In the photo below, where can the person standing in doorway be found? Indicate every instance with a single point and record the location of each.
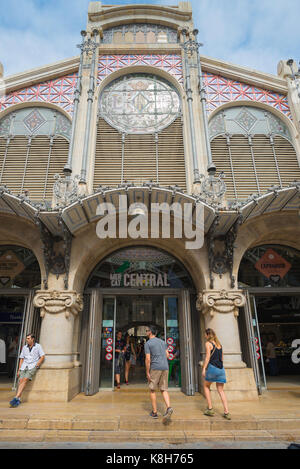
(129, 353)
(120, 347)
(31, 358)
(12, 356)
(271, 355)
(157, 371)
(213, 372)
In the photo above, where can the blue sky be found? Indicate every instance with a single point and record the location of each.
(253, 33)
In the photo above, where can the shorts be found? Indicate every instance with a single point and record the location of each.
(215, 375)
(159, 378)
(29, 374)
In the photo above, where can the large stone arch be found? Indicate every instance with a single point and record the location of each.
(15, 231)
(280, 228)
(89, 251)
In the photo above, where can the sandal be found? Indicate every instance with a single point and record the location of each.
(209, 412)
(227, 416)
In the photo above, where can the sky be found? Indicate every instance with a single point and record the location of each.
(252, 33)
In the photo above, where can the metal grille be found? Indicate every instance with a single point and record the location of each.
(139, 158)
(253, 165)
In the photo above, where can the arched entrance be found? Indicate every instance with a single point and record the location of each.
(270, 325)
(19, 277)
(129, 290)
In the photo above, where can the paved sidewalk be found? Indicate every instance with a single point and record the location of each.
(123, 417)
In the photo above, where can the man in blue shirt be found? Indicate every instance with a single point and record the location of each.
(157, 371)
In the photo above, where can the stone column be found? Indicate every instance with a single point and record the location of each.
(59, 377)
(221, 311)
(58, 310)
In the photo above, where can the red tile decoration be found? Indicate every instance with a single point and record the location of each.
(221, 90)
(59, 91)
(171, 63)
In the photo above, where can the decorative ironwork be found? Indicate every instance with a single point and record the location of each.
(212, 188)
(57, 256)
(139, 103)
(222, 262)
(34, 121)
(65, 190)
(239, 120)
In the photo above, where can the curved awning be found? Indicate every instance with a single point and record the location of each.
(83, 211)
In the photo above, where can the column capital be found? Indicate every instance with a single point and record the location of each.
(220, 301)
(55, 302)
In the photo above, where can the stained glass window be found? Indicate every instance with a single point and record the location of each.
(139, 103)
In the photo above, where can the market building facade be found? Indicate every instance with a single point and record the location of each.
(138, 120)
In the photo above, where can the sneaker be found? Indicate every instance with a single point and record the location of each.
(15, 402)
(167, 415)
(209, 412)
(227, 416)
(153, 415)
(12, 402)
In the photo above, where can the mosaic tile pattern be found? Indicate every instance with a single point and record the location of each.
(221, 90)
(171, 63)
(59, 91)
(34, 120)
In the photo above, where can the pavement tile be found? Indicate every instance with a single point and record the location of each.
(118, 437)
(170, 436)
(49, 424)
(248, 435)
(13, 423)
(278, 424)
(194, 436)
(19, 435)
(73, 435)
(95, 424)
(217, 425)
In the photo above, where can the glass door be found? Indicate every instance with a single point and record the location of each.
(108, 333)
(171, 328)
(255, 343)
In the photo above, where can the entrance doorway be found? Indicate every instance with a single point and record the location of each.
(270, 325)
(276, 338)
(127, 291)
(130, 315)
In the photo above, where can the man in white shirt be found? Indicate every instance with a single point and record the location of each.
(31, 358)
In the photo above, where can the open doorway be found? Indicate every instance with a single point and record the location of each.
(124, 323)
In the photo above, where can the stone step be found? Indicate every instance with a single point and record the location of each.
(168, 437)
(142, 423)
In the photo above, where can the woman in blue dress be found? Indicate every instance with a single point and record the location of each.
(213, 372)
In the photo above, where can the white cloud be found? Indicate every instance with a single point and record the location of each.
(254, 33)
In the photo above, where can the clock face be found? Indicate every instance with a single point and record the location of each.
(139, 104)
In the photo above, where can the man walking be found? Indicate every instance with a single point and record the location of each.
(157, 371)
(31, 358)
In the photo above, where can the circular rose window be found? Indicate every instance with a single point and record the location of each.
(139, 104)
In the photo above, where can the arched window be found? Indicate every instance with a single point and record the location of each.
(254, 149)
(140, 33)
(139, 136)
(34, 143)
(270, 266)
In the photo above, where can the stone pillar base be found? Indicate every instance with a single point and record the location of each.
(240, 385)
(56, 385)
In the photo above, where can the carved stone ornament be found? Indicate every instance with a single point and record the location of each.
(56, 302)
(220, 301)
